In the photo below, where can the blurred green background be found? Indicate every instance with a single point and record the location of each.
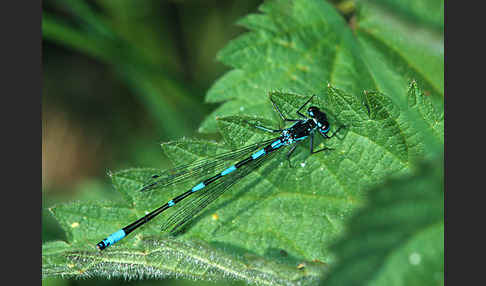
(119, 77)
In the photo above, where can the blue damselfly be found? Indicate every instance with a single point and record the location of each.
(248, 159)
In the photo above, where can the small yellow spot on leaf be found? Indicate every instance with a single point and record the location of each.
(303, 68)
(318, 261)
(300, 266)
(215, 216)
(74, 224)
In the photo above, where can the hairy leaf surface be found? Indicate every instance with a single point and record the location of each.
(276, 226)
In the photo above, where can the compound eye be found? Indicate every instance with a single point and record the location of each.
(312, 110)
(324, 127)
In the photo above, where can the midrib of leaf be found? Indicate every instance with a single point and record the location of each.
(132, 262)
(332, 69)
(404, 59)
(135, 259)
(194, 256)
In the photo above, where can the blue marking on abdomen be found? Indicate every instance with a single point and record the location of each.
(112, 239)
(276, 144)
(258, 154)
(198, 187)
(229, 170)
(171, 203)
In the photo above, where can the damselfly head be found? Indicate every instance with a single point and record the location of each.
(316, 113)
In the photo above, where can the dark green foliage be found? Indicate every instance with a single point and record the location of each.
(399, 238)
(279, 226)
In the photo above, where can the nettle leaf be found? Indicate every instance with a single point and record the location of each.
(296, 46)
(150, 254)
(428, 113)
(398, 238)
(276, 226)
(398, 51)
(155, 258)
(300, 46)
(420, 12)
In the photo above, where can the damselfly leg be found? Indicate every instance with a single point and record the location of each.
(211, 177)
(275, 107)
(298, 111)
(334, 133)
(312, 145)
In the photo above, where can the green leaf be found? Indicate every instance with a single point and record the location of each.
(423, 13)
(424, 108)
(156, 259)
(279, 222)
(398, 52)
(300, 46)
(297, 211)
(157, 88)
(398, 238)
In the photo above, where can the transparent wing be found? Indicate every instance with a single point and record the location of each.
(198, 201)
(201, 168)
